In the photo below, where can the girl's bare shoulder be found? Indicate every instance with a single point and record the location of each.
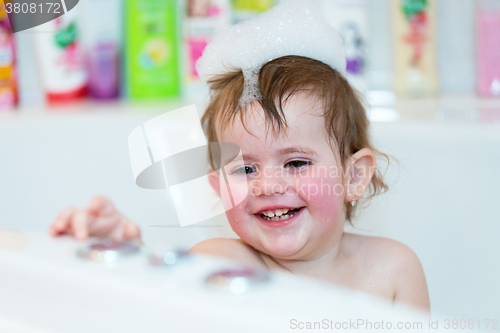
(395, 262)
(229, 248)
(388, 252)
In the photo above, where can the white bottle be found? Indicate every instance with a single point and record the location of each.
(350, 19)
(203, 19)
(30, 88)
(456, 46)
(61, 64)
(380, 57)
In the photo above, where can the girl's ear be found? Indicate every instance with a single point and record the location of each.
(363, 166)
(213, 179)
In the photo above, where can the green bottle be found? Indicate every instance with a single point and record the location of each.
(152, 49)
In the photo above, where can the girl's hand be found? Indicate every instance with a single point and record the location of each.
(100, 219)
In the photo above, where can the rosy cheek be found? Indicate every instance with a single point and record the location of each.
(324, 196)
(237, 216)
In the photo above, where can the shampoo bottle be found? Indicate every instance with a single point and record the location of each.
(380, 69)
(456, 47)
(414, 25)
(60, 58)
(152, 49)
(8, 84)
(204, 18)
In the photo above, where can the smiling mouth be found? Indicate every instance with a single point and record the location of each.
(279, 215)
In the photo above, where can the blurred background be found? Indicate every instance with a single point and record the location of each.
(441, 54)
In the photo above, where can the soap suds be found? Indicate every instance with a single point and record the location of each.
(294, 27)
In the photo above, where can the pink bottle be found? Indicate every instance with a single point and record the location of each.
(488, 37)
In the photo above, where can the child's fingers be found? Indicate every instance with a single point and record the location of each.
(101, 226)
(80, 224)
(131, 231)
(101, 219)
(62, 223)
(101, 206)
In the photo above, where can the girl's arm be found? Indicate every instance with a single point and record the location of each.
(411, 285)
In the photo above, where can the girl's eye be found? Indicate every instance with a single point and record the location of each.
(245, 170)
(296, 164)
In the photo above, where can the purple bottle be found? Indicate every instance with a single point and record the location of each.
(102, 35)
(104, 71)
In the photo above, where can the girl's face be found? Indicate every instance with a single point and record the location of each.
(294, 175)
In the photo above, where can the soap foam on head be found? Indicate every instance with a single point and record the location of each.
(294, 27)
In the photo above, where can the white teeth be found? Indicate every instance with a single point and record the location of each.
(277, 212)
(280, 215)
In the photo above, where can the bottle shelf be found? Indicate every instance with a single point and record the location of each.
(382, 107)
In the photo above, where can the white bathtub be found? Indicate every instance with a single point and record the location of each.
(443, 205)
(46, 288)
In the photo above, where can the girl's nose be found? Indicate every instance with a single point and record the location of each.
(270, 182)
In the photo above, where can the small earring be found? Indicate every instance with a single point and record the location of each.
(353, 203)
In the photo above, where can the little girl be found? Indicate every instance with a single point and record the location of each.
(306, 159)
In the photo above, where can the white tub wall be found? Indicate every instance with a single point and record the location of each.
(444, 205)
